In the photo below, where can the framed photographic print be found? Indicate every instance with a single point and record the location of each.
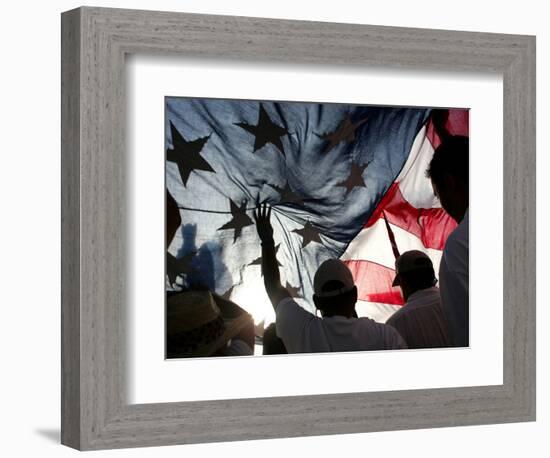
(368, 204)
(251, 205)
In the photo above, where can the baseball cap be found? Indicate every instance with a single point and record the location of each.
(332, 270)
(409, 261)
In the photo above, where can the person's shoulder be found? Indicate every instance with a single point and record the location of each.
(365, 321)
(383, 334)
(456, 246)
(457, 235)
(288, 307)
(370, 323)
(286, 301)
(460, 232)
(398, 316)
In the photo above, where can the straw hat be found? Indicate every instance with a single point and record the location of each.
(199, 323)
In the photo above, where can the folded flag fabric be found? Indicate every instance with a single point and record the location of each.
(329, 171)
(410, 212)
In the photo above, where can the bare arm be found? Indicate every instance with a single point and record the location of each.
(270, 269)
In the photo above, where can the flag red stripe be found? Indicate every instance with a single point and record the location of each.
(436, 225)
(374, 282)
(431, 225)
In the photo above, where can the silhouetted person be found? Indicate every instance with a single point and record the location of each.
(334, 296)
(272, 343)
(199, 324)
(449, 173)
(420, 321)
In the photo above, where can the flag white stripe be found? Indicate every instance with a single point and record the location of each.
(415, 187)
(373, 244)
(376, 311)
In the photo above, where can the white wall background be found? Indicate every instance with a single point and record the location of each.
(30, 245)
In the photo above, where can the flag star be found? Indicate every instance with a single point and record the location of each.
(345, 132)
(176, 267)
(186, 154)
(288, 196)
(258, 261)
(294, 291)
(309, 234)
(239, 221)
(355, 177)
(266, 131)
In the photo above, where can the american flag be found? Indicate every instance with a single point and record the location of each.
(340, 180)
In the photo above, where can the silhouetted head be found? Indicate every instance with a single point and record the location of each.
(335, 292)
(449, 173)
(414, 271)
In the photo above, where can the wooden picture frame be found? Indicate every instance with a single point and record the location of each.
(95, 413)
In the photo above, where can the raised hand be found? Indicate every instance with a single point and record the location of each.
(270, 269)
(262, 215)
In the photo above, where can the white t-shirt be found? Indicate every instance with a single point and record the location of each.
(303, 332)
(453, 283)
